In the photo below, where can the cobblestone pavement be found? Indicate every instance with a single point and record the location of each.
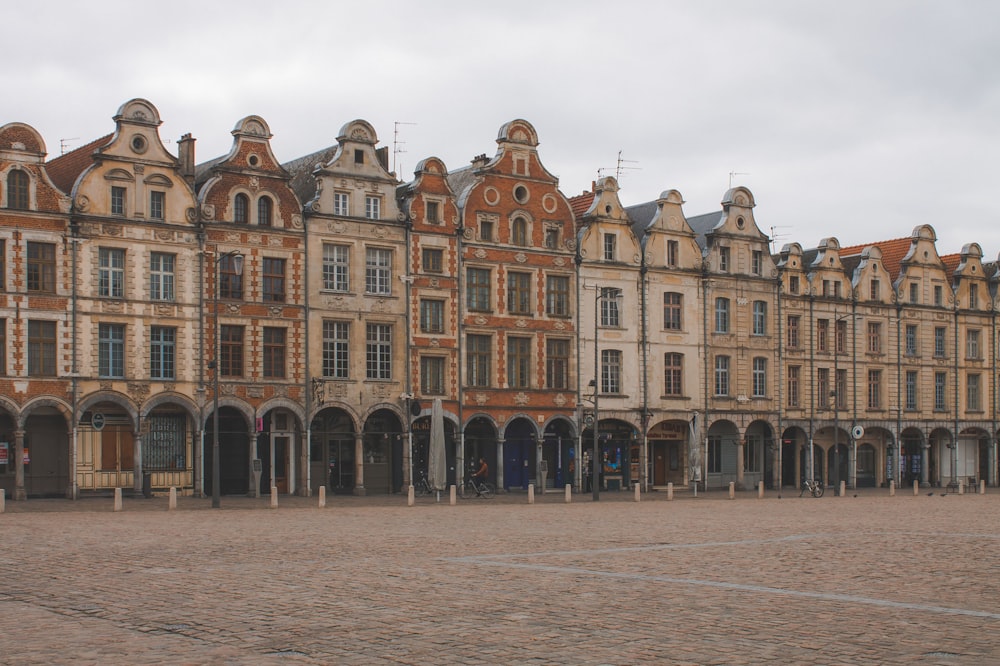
(707, 580)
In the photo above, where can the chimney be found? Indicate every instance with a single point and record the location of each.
(383, 156)
(479, 161)
(185, 153)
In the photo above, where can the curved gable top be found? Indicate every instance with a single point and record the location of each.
(139, 112)
(518, 131)
(360, 131)
(22, 138)
(252, 126)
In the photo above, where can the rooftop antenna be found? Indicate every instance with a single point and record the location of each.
(619, 167)
(396, 143)
(64, 144)
(735, 173)
(776, 236)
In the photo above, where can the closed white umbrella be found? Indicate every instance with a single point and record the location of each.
(437, 462)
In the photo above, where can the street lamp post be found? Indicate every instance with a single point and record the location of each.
(238, 271)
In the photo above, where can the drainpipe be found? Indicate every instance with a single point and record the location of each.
(199, 457)
(705, 371)
(578, 476)
(75, 240)
(899, 378)
(307, 378)
(460, 472)
(991, 480)
(812, 375)
(954, 439)
(781, 383)
(644, 419)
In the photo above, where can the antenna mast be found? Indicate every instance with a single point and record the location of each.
(396, 143)
(735, 173)
(64, 144)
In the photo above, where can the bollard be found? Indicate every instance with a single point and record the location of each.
(916, 487)
(172, 501)
(118, 499)
(732, 490)
(322, 496)
(760, 490)
(531, 493)
(843, 489)
(452, 495)
(409, 496)
(3, 500)
(892, 488)
(670, 491)
(961, 487)
(274, 497)
(637, 497)
(982, 486)
(569, 493)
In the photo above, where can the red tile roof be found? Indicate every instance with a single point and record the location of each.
(581, 203)
(951, 262)
(893, 252)
(64, 169)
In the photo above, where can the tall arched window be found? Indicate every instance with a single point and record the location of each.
(241, 208)
(520, 231)
(17, 190)
(264, 207)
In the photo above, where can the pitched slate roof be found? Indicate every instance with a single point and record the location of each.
(65, 169)
(303, 183)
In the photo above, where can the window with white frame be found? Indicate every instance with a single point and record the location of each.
(973, 392)
(373, 207)
(911, 389)
(673, 372)
(341, 204)
(336, 267)
(874, 389)
(157, 205)
(378, 270)
(759, 383)
(759, 318)
(611, 371)
(117, 200)
(940, 391)
(672, 310)
(910, 337)
(794, 385)
(111, 351)
(162, 352)
(431, 315)
(973, 350)
(111, 272)
(336, 349)
(721, 376)
(610, 247)
(378, 351)
(161, 276)
(939, 342)
(610, 307)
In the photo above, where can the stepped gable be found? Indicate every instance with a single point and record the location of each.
(65, 169)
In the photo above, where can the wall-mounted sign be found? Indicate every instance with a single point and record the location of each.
(97, 420)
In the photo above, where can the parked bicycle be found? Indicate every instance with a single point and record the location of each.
(814, 488)
(421, 486)
(482, 489)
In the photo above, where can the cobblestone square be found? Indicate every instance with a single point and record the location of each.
(706, 580)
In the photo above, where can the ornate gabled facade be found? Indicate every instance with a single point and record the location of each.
(519, 333)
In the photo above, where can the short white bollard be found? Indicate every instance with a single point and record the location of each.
(410, 496)
(916, 487)
(961, 487)
(760, 490)
(670, 491)
(274, 497)
(637, 491)
(531, 493)
(322, 496)
(732, 490)
(3, 500)
(118, 499)
(172, 499)
(843, 489)
(452, 492)
(982, 486)
(569, 493)
(892, 488)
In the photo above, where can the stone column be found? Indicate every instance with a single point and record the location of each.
(740, 461)
(137, 461)
(359, 465)
(925, 463)
(20, 493)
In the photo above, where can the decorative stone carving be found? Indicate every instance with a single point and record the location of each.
(435, 342)
(480, 253)
(191, 215)
(82, 203)
(521, 399)
(560, 399)
(559, 261)
(560, 326)
(254, 239)
(255, 391)
(549, 203)
(207, 212)
(481, 320)
(275, 310)
(520, 257)
(112, 306)
(480, 399)
(164, 235)
(467, 234)
(521, 323)
(112, 230)
(380, 232)
(435, 283)
(138, 391)
(296, 221)
(254, 183)
(139, 168)
(570, 243)
(338, 227)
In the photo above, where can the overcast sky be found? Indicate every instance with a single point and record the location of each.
(853, 119)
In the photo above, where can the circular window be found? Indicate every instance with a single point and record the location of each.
(253, 160)
(139, 143)
(740, 223)
(491, 196)
(521, 194)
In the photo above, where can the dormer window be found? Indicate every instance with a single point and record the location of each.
(359, 156)
(157, 205)
(552, 238)
(724, 259)
(17, 190)
(241, 208)
(519, 232)
(874, 290)
(973, 296)
(117, 200)
(610, 247)
(264, 211)
(433, 212)
(373, 208)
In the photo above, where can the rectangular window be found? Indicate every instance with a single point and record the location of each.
(874, 337)
(373, 207)
(477, 290)
(552, 238)
(823, 388)
(973, 401)
(336, 349)
(611, 371)
(753, 453)
(478, 358)
(557, 364)
(41, 348)
(3, 264)
(432, 259)
(722, 315)
(759, 377)
(840, 390)
(874, 389)
(973, 351)
(724, 261)
(117, 200)
(433, 215)
(610, 307)
(161, 276)
(827, 288)
(432, 375)
(759, 318)
(973, 296)
(610, 252)
(557, 295)
(794, 385)
(673, 250)
(378, 271)
(162, 352)
(939, 342)
(273, 286)
(519, 293)
(822, 335)
(794, 331)
(341, 204)
(793, 284)
(714, 455)
(840, 335)
(940, 391)
(756, 262)
(938, 295)
(274, 352)
(431, 316)
(910, 337)
(157, 205)
(672, 308)
(518, 362)
(111, 351)
(378, 351)
(914, 293)
(111, 273)
(230, 282)
(3, 347)
(336, 267)
(874, 291)
(721, 375)
(673, 373)
(911, 389)
(231, 351)
(485, 230)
